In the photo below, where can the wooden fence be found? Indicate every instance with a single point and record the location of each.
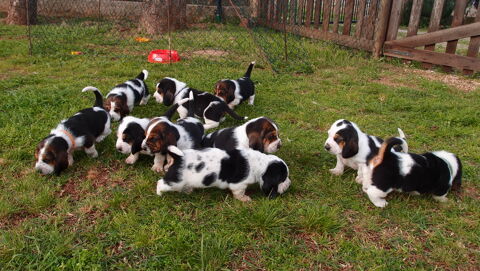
(373, 25)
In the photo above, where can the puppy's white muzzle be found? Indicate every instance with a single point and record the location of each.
(274, 146)
(332, 147)
(123, 147)
(158, 97)
(43, 168)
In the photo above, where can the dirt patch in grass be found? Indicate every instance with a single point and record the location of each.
(469, 191)
(399, 78)
(102, 176)
(71, 188)
(250, 260)
(15, 219)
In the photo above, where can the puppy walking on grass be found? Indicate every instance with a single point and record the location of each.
(234, 170)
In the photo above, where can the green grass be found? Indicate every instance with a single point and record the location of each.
(104, 214)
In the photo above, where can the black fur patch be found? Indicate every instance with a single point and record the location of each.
(209, 179)
(88, 123)
(199, 167)
(195, 130)
(350, 136)
(373, 148)
(134, 135)
(276, 173)
(235, 168)
(223, 139)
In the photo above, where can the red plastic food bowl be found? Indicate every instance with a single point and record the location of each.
(163, 56)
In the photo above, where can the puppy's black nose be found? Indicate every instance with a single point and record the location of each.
(327, 147)
(119, 148)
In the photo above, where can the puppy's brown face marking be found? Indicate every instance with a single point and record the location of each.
(340, 141)
(120, 106)
(224, 90)
(263, 135)
(160, 137)
(165, 92)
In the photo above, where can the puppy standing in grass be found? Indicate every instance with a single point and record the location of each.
(233, 92)
(354, 148)
(260, 134)
(205, 105)
(235, 170)
(82, 130)
(187, 133)
(122, 98)
(431, 172)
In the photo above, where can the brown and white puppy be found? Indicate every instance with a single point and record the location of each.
(122, 98)
(260, 134)
(82, 130)
(354, 148)
(187, 133)
(205, 105)
(233, 92)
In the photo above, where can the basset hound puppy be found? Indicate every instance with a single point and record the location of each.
(432, 172)
(205, 105)
(234, 170)
(81, 131)
(259, 134)
(122, 98)
(234, 92)
(354, 148)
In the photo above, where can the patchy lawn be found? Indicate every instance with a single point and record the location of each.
(104, 214)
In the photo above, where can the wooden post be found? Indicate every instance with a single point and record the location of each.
(255, 8)
(362, 4)
(459, 11)
(394, 21)
(473, 46)
(434, 25)
(414, 17)
(382, 26)
(17, 12)
(336, 15)
(327, 7)
(347, 23)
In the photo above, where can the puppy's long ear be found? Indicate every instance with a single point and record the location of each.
(350, 136)
(255, 141)
(168, 98)
(171, 136)
(61, 162)
(137, 145)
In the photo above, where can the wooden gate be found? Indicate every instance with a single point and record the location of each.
(352, 23)
(422, 47)
(373, 25)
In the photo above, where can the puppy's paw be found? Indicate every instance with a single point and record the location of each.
(440, 198)
(131, 160)
(380, 203)
(157, 168)
(93, 154)
(336, 172)
(359, 180)
(244, 198)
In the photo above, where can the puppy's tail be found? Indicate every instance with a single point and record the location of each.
(174, 151)
(173, 108)
(386, 150)
(191, 109)
(98, 95)
(143, 75)
(404, 146)
(249, 70)
(457, 181)
(232, 113)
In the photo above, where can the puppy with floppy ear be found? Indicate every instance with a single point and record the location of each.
(205, 105)
(354, 148)
(260, 134)
(234, 170)
(432, 172)
(82, 130)
(130, 135)
(161, 132)
(122, 98)
(233, 92)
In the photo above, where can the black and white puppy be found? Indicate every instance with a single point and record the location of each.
(82, 130)
(122, 98)
(234, 170)
(431, 172)
(259, 134)
(354, 148)
(130, 135)
(187, 133)
(206, 105)
(233, 92)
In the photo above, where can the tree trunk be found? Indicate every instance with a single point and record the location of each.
(155, 19)
(17, 12)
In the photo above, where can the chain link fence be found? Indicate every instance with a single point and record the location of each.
(112, 28)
